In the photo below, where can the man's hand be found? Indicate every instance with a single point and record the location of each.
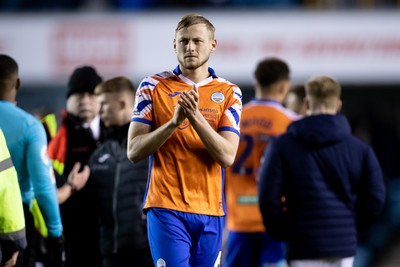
(12, 261)
(179, 115)
(78, 179)
(189, 102)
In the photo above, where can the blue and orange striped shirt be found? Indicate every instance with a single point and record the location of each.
(183, 176)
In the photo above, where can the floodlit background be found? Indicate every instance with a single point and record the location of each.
(355, 41)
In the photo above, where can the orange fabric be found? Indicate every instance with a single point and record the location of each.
(261, 120)
(184, 176)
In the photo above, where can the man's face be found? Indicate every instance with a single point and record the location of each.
(292, 103)
(111, 109)
(296, 104)
(83, 105)
(193, 46)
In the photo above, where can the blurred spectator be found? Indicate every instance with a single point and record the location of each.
(263, 118)
(320, 187)
(119, 184)
(27, 143)
(295, 99)
(79, 135)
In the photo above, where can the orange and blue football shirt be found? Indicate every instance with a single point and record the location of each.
(261, 120)
(183, 176)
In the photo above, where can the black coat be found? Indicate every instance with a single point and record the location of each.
(332, 182)
(119, 186)
(77, 213)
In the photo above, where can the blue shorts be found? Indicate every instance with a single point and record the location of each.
(181, 239)
(253, 249)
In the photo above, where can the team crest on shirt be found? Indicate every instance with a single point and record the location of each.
(218, 97)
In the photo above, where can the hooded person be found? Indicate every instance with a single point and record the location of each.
(320, 186)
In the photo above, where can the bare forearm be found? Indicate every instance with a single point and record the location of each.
(140, 146)
(63, 193)
(221, 146)
(221, 150)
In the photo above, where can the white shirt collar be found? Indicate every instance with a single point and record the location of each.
(94, 126)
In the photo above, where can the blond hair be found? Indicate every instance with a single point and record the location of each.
(115, 85)
(193, 19)
(322, 91)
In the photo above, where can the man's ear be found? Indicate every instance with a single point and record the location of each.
(214, 45)
(308, 105)
(174, 43)
(17, 83)
(339, 105)
(283, 88)
(122, 104)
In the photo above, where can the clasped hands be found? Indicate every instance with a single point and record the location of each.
(187, 106)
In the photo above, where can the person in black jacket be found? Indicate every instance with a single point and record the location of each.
(319, 185)
(119, 184)
(80, 133)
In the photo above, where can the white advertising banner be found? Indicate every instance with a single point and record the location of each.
(352, 47)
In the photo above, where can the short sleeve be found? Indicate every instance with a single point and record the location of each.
(142, 112)
(230, 120)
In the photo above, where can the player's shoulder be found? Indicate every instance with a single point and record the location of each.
(23, 117)
(227, 83)
(151, 82)
(229, 87)
(274, 108)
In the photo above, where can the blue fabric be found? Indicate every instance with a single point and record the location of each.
(27, 142)
(253, 249)
(182, 239)
(333, 186)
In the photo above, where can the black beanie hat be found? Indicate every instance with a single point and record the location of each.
(83, 79)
